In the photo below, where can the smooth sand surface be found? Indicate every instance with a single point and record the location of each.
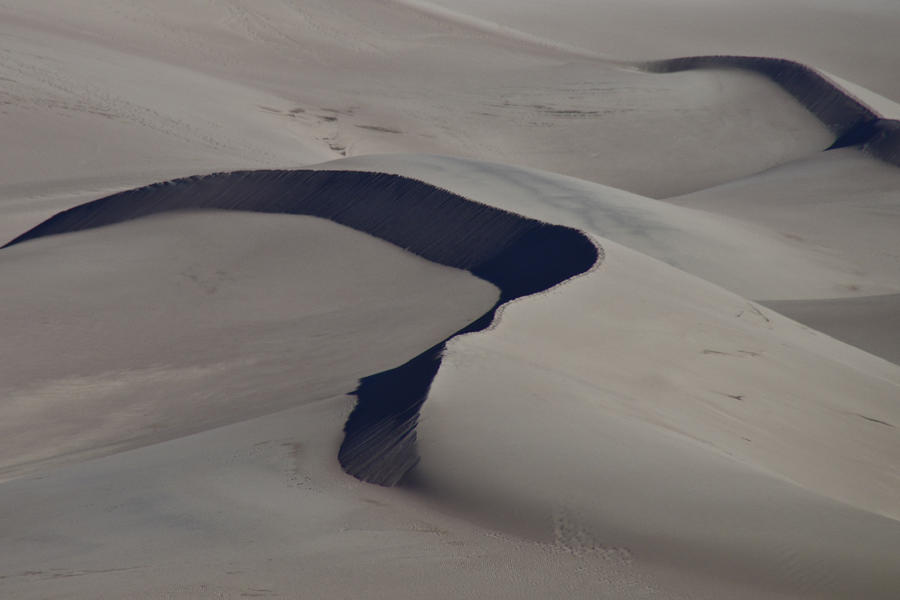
(756, 260)
(261, 509)
(870, 323)
(174, 388)
(181, 322)
(840, 202)
(567, 435)
(826, 33)
(298, 84)
(520, 256)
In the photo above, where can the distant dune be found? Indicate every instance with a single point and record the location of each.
(854, 123)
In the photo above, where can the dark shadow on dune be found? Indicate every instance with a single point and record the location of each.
(519, 255)
(853, 123)
(380, 443)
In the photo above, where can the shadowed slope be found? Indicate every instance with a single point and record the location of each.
(854, 123)
(519, 255)
(380, 443)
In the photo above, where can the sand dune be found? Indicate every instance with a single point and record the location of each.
(181, 322)
(825, 33)
(724, 331)
(323, 80)
(841, 203)
(870, 323)
(854, 123)
(520, 256)
(756, 261)
(768, 248)
(457, 232)
(601, 322)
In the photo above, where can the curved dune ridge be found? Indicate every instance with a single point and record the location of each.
(450, 299)
(519, 255)
(853, 122)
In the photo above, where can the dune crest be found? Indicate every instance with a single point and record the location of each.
(450, 299)
(519, 255)
(853, 122)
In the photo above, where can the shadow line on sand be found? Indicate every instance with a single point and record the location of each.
(853, 123)
(519, 255)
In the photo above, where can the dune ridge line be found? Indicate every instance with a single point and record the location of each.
(852, 121)
(519, 255)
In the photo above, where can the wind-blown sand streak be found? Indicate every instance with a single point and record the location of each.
(521, 256)
(853, 122)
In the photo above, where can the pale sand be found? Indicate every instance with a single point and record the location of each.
(637, 432)
(871, 323)
(261, 509)
(520, 256)
(637, 400)
(182, 322)
(756, 260)
(855, 41)
(340, 78)
(840, 202)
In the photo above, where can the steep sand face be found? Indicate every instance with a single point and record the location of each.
(262, 508)
(825, 33)
(164, 326)
(570, 432)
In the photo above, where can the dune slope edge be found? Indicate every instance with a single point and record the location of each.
(854, 123)
(521, 256)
